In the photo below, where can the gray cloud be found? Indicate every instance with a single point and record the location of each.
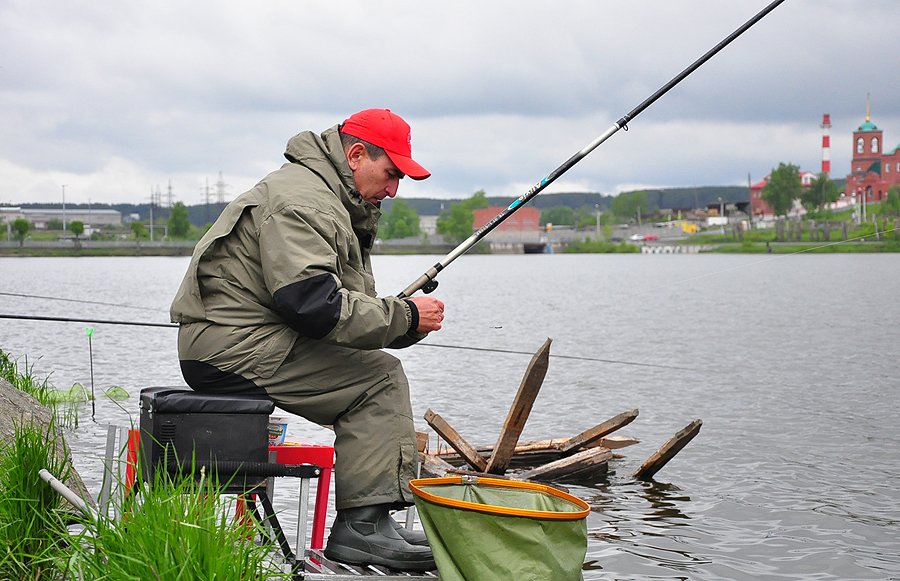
(116, 99)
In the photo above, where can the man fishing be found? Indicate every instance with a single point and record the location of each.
(279, 300)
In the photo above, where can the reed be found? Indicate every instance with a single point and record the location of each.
(32, 516)
(173, 530)
(24, 380)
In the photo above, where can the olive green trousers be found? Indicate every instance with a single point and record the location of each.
(364, 395)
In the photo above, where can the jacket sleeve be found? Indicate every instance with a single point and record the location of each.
(301, 251)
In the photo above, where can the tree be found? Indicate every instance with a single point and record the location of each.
(76, 227)
(820, 192)
(784, 186)
(138, 229)
(562, 215)
(401, 221)
(179, 223)
(20, 227)
(628, 205)
(891, 204)
(455, 223)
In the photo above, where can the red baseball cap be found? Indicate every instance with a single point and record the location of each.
(389, 131)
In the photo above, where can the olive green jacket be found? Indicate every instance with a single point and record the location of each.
(289, 260)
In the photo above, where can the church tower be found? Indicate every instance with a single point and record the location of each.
(867, 142)
(872, 172)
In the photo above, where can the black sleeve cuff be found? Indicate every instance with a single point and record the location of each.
(414, 312)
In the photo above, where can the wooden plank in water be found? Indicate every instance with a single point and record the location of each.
(434, 466)
(586, 437)
(661, 457)
(457, 442)
(519, 411)
(616, 442)
(590, 461)
(421, 441)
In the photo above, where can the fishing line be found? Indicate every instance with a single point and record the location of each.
(466, 348)
(574, 357)
(79, 301)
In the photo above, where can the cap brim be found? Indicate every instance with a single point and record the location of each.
(408, 166)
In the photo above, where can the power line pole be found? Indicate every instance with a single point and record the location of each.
(151, 213)
(220, 189)
(64, 206)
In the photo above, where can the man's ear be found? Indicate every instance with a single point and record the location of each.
(354, 154)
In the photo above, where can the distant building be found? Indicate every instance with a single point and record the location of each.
(526, 218)
(428, 225)
(40, 218)
(759, 209)
(872, 171)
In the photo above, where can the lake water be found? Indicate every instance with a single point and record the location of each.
(790, 361)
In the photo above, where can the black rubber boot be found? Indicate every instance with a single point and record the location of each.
(411, 536)
(367, 535)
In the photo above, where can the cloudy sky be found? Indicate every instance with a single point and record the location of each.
(116, 99)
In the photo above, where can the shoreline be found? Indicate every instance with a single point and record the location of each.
(170, 249)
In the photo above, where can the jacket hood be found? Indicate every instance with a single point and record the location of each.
(324, 155)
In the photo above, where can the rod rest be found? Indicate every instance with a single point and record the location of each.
(242, 469)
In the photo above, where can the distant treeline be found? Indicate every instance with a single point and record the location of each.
(668, 198)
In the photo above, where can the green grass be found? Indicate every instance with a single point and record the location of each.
(588, 246)
(32, 519)
(171, 531)
(23, 379)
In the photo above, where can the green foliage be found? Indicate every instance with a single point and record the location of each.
(176, 530)
(783, 188)
(401, 221)
(820, 192)
(137, 228)
(455, 223)
(76, 227)
(32, 520)
(21, 226)
(588, 246)
(179, 223)
(891, 204)
(23, 380)
(558, 215)
(627, 205)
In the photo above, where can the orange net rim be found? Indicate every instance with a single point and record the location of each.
(417, 484)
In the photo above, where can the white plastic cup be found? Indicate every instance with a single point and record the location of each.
(277, 430)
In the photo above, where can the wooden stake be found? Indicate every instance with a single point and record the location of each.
(521, 408)
(661, 457)
(585, 438)
(584, 464)
(457, 442)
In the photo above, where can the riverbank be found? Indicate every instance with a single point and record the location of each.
(185, 249)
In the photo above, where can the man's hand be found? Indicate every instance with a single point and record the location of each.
(431, 313)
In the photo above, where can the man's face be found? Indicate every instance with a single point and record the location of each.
(375, 179)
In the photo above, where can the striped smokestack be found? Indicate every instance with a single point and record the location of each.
(826, 144)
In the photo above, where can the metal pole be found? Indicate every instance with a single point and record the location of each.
(67, 493)
(64, 207)
(427, 282)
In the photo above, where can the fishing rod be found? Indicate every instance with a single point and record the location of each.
(467, 348)
(427, 282)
